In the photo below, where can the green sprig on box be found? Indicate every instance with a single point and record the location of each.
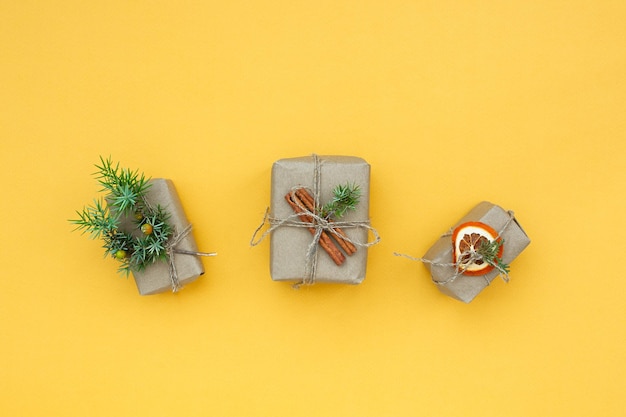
(125, 196)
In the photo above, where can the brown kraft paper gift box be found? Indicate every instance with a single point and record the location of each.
(463, 287)
(156, 278)
(289, 245)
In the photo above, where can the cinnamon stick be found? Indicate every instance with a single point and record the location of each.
(309, 203)
(325, 242)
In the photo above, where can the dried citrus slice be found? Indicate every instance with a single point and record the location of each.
(466, 240)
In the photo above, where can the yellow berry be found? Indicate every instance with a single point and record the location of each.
(120, 254)
(146, 229)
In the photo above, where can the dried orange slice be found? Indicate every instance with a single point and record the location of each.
(466, 240)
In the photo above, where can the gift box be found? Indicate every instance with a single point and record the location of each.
(439, 258)
(156, 277)
(290, 258)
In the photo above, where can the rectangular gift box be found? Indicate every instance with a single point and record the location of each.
(289, 245)
(155, 278)
(465, 288)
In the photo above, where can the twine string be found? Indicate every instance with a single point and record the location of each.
(466, 258)
(310, 268)
(171, 250)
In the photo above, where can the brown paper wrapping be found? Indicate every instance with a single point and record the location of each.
(155, 278)
(464, 287)
(288, 246)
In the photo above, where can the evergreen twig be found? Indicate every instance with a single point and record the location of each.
(345, 197)
(125, 196)
(489, 253)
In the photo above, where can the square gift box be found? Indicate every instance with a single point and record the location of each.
(440, 255)
(289, 245)
(156, 278)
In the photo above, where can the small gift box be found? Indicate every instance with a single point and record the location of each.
(142, 225)
(458, 265)
(181, 268)
(299, 229)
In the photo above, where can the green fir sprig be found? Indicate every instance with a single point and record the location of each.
(489, 253)
(345, 198)
(125, 187)
(125, 192)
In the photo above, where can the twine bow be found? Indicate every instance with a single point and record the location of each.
(320, 224)
(466, 258)
(170, 250)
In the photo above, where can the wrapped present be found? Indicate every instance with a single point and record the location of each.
(458, 265)
(142, 225)
(182, 265)
(300, 186)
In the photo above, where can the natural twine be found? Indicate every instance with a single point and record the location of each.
(319, 223)
(473, 256)
(170, 249)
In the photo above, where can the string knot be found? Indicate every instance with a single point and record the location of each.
(171, 250)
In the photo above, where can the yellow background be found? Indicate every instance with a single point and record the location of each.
(521, 103)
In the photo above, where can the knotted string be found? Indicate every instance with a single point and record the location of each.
(320, 224)
(170, 250)
(310, 267)
(468, 257)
